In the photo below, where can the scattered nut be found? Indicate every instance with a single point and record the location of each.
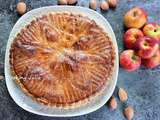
(112, 3)
(93, 4)
(62, 2)
(122, 95)
(104, 5)
(71, 2)
(1, 77)
(21, 8)
(128, 112)
(112, 103)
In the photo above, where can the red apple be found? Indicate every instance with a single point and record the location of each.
(131, 36)
(146, 47)
(153, 61)
(129, 60)
(152, 30)
(135, 18)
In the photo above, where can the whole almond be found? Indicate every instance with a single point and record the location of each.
(112, 3)
(1, 77)
(128, 112)
(104, 5)
(122, 95)
(70, 2)
(93, 4)
(21, 8)
(62, 2)
(112, 103)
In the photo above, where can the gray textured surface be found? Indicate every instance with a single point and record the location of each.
(143, 86)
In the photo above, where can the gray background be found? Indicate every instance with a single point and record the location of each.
(143, 86)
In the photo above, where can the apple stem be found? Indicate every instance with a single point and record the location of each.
(134, 13)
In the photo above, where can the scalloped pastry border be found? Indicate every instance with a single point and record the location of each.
(62, 106)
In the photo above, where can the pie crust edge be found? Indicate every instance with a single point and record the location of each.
(64, 106)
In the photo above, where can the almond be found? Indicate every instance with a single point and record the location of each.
(1, 77)
(93, 4)
(128, 112)
(62, 2)
(21, 8)
(122, 95)
(104, 5)
(112, 3)
(71, 2)
(112, 103)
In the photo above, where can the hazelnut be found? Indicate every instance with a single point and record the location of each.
(21, 8)
(104, 5)
(93, 4)
(71, 2)
(112, 103)
(112, 3)
(122, 95)
(128, 112)
(62, 2)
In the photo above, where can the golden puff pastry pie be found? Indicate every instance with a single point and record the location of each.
(62, 59)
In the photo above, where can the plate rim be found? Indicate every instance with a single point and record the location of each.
(61, 115)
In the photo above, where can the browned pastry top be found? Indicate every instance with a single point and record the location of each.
(62, 58)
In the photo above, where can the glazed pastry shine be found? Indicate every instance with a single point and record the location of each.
(62, 58)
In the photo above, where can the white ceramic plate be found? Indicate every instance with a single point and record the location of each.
(26, 102)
